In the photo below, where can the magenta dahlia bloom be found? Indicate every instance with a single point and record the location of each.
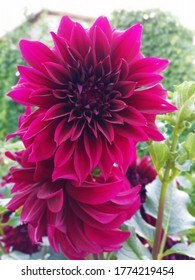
(96, 95)
(17, 239)
(78, 220)
(141, 172)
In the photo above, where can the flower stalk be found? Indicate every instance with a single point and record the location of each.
(169, 174)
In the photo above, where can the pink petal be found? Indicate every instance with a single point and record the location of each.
(32, 209)
(36, 127)
(154, 134)
(94, 194)
(16, 201)
(45, 190)
(101, 217)
(129, 131)
(36, 233)
(35, 77)
(107, 130)
(42, 98)
(81, 161)
(133, 116)
(65, 28)
(101, 44)
(127, 44)
(148, 65)
(93, 149)
(127, 197)
(122, 152)
(62, 49)
(76, 230)
(77, 129)
(52, 238)
(36, 53)
(66, 171)
(157, 90)
(21, 96)
(108, 237)
(117, 105)
(79, 39)
(63, 131)
(64, 153)
(43, 146)
(126, 88)
(103, 23)
(57, 111)
(55, 202)
(150, 103)
(106, 162)
(57, 72)
(146, 79)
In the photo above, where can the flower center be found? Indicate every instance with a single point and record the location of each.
(89, 100)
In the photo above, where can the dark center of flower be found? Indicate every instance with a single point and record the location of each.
(90, 98)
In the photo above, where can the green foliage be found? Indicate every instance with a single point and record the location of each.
(176, 216)
(183, 249)
(6, 163)
(10, 58)
(159, 153)
(142, 228)
(172, 194)
(163, 36)
(133, 249)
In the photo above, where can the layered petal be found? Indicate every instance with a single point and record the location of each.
(78, 219)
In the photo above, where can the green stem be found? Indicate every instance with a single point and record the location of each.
(99, 256)
(163, 243)
(165, 180)
(2, 235)
(1, 230)
(158, 233)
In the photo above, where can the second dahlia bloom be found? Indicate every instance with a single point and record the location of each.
(17, 239)
(141, 172)
(96, 95)
(78, 220)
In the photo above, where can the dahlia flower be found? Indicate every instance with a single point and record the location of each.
(96, 95)
(78, 220)
(17, 239)
(141, 172)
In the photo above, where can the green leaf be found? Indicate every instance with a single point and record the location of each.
(189, 145)
(183, 249)
(182, 163)
(133, 249)
(159, 153)
(184, 182)
(3, 203)
(142, 228)
(184, 91)
(186, 112)
(191, 235)
(185, 101)
(176, 216)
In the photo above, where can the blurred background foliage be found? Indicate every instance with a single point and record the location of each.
(10, 58)
(163, 36)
